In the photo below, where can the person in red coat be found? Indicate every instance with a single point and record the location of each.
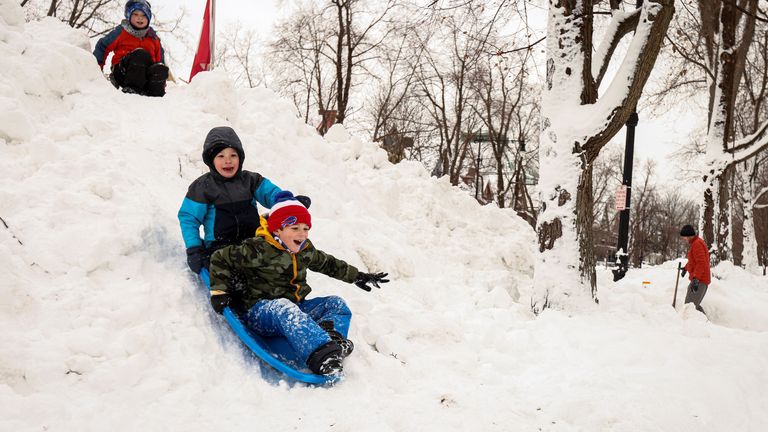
(697, 267)
(138, 60)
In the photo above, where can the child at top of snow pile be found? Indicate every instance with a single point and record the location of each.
(223, 201)
(138, 60)
(266, 276)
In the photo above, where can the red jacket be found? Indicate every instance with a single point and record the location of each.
(122, 42)
(698, 261)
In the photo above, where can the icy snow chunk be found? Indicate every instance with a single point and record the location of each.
(337, 134)
(214, 93)
(15, 126)
(11, 14)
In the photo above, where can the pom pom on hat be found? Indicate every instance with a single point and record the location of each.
(687, 231)
(287, 213)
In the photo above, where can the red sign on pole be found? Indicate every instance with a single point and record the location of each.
(621, 198)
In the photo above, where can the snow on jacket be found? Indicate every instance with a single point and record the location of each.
(226, 208)
(124, 39)
(262, 268)
(698, 261)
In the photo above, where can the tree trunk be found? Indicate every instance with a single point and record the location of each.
(749, 251)
(727, 62)
(52, 8)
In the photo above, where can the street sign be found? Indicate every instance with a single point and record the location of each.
(621, 198)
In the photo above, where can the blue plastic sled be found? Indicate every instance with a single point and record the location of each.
(274, 351)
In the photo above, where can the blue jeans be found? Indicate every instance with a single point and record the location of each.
(298, 322)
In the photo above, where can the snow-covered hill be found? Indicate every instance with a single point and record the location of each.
(103, 327)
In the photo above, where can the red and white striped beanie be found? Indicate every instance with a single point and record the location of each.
(287, 213)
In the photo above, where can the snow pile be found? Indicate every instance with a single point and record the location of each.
(104, 328)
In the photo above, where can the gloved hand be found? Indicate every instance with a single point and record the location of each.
(304, 200)
(695, 285)
(220, 300)
(363, 279)
(683, 272)
(196, 258)
(283, 196)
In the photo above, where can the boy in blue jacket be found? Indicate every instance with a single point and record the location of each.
(223, 201)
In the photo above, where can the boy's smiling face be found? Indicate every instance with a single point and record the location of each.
(138, 19)
(227, 162)
(293, 236)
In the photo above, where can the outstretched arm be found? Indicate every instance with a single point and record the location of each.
(329, 265)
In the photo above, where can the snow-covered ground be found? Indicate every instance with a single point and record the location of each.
(103, 327)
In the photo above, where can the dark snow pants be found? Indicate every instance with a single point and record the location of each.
(298, 322)
(136, 73)
(697, 296)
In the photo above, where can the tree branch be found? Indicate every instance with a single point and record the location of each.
(658, 16)
(749, 140)
(622, 25)
(520, 49)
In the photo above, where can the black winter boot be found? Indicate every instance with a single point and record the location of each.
(157, 75)
(113, 80)
(131, 71)
(326, 360)
(345, 344)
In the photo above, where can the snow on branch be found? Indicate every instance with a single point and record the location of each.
(758, 195)
(620, 98)
(621, 24)
(750, 145)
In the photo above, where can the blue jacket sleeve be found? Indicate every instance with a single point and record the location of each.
(265, 193)
(191, 216)
(100, 52)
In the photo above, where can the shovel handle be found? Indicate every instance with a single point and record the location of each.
(677, 281)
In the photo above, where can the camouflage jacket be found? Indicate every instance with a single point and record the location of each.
(261, 268)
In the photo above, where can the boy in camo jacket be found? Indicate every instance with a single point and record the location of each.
(267, 275)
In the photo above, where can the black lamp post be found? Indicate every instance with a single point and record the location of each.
(622, 250)
(623, 243)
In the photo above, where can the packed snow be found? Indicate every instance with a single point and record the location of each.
(105, 328)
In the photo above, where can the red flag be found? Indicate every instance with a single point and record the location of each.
(203, 58)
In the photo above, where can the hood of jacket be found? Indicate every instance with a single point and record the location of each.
(217, 140)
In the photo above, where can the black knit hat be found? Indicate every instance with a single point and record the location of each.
(687, 231)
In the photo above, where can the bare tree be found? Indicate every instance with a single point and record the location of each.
(675, 210)
(96, 16)
(644, 207)
(238, 55)
(392, 110)
(568, 150)
(449, 65)
(354, 44)
(297, 61)
(509, 112)
(331, 46)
